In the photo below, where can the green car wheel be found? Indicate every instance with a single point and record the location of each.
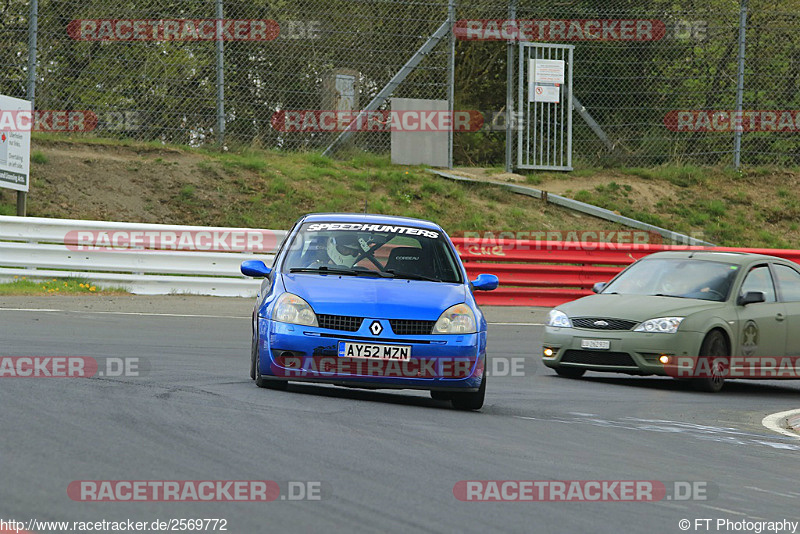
(714, 345)
(570, 372)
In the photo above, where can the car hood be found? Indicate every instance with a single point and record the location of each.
(635, 307)
(382, 298)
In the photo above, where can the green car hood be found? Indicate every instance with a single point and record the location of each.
(636, 307)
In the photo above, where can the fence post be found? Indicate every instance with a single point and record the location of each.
(737, 135)
(33, 30)
(510, 119)
(220, 78)
(451, 79)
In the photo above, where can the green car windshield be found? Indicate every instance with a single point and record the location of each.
(684, 278)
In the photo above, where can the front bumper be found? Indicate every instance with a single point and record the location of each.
(635, 353)
(310, 354)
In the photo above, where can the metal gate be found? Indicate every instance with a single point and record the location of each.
(544, 138)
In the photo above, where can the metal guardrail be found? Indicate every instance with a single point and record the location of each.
(149, 259)
(532, 273)
(549, 273)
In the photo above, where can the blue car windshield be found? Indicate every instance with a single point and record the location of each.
(684, 278)
(368, 249)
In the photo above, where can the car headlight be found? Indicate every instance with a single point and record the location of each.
(559, 318)
(660, 325)
(457, 319)
(292, 309)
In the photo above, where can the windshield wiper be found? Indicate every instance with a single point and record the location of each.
(338, 270)
(323, 270)
(411, 276)
(673, 296)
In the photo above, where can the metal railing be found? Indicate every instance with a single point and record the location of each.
(157, 259)
(549, 273)
(146, 259)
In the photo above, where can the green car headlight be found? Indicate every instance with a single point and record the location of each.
(292, 309)
(660, 325)
(559, 318)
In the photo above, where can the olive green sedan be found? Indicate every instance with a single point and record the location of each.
(699, 315)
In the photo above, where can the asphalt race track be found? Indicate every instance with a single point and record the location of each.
(385, 461)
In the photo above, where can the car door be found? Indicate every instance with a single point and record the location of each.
(788, 280)
(762, 328)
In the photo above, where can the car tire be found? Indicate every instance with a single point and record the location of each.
(262, 382)
(441, 395)
(570, 372)
(714, 345)
(253, 348)
(472, 400)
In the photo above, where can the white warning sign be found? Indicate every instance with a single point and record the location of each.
(548, 70)
(546, 93)
(545, 78)
(15, 143)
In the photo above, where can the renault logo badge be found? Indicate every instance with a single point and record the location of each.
(375, 328)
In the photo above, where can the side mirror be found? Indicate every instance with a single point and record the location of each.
(255, 268)
(599, 286)
(751, 297)
(485, 282)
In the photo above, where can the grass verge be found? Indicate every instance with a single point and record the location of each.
(56, 286)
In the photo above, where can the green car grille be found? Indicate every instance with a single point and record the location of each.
(596, 357)
(604, 323)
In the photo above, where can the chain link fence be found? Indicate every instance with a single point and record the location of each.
(149, 69)
(667, 96)
(663, 96)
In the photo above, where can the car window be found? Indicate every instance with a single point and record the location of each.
(676, 277)
(284, 241)
(383, 252)
(391, 249)
(789, 282)
(759, 279)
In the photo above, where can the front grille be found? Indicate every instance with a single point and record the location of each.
(411, 327)
(340, 322)
(373, 339)
(596, 357)
(613, 324)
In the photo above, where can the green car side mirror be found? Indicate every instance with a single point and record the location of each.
(599, 286)
(751, 297)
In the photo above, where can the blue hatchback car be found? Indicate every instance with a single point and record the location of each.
(370, 301)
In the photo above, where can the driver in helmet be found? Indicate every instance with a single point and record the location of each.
(342, 250)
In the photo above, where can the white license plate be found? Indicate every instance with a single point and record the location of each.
(374, 351)
(595, 344)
